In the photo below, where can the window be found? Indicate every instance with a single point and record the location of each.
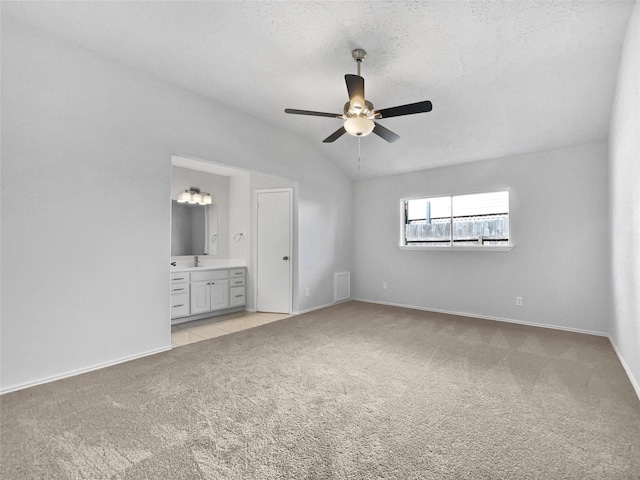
(458, 220)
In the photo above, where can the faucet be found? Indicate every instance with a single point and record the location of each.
(195, 261)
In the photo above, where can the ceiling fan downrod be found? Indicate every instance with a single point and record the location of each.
(359, 55)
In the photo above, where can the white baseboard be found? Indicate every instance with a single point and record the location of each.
(486, 317)
(320, 307)
(82, 370)
(202, 316)
(632, 379)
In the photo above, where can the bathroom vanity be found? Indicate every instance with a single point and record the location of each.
(207, 290)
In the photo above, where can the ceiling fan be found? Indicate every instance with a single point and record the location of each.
(359, 114)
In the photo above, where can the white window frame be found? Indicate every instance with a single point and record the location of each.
(452, 247)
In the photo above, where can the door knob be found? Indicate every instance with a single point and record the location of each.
(285, 258)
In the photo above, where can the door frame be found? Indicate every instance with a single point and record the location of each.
(256, 192)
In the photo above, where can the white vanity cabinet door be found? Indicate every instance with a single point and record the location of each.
(209, 290)
(200, 297)
(219, 294)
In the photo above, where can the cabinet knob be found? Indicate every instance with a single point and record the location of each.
(285, 258)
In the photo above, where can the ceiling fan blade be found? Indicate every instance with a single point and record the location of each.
(335, 135)
(385, 133)
(355, 87)
(314, 114)
(409, 109)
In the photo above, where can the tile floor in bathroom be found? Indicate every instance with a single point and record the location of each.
(198, 330)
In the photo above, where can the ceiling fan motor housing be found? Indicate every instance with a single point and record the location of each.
(366, 112)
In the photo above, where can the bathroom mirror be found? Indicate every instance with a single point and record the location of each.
(193, 229)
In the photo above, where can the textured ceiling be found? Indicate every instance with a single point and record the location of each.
(504, 77)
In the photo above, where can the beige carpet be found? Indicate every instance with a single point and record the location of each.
(354, 391)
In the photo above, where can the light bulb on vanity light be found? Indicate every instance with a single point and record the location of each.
(184, 197)
(203, 198)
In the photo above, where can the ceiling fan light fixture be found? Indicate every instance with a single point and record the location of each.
(359, 126)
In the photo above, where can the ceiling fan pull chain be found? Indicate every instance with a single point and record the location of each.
(358, 153)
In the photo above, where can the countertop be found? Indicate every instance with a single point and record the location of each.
(208, 265)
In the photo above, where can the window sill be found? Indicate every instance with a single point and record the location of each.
(461, 248)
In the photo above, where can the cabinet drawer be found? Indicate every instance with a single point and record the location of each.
(236, 282)
(179, 305)
(209, 275)
(177, 288)
(237, 272)
(179, 277)
(237, 296)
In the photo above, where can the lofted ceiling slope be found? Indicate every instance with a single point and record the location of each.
(504, 77)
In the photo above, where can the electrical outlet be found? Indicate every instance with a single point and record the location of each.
(306, 292)
(384, 285)
(519, 301)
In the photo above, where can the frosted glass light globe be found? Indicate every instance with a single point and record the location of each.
(359, 126)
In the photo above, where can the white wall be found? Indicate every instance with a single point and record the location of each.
(239, 216)
(558, 221)
(85, 259)
(624, 172)
(218, 186)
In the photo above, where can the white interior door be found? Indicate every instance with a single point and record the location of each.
(273, 237)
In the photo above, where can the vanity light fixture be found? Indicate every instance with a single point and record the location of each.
(194, 196)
